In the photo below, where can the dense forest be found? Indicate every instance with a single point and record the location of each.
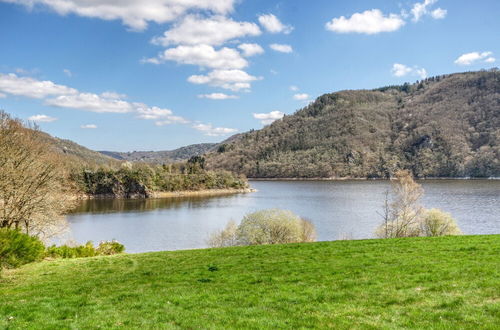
(444, 126)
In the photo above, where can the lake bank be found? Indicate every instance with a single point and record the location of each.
(444, 282)
(170, 194)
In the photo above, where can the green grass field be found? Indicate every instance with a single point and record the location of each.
(449, 282)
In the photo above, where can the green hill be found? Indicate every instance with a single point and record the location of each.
(439, 283)
(445, 126)
(162, 157)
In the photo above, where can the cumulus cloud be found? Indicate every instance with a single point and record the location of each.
(88, 126)
(281, 48)
(209, 130)
(90, 102)
(218, 96)
(161, 116)
(32, 88)
(421, 9)
(234, 80)
(401, 70)
(251, 49)
(475, 57)
(204, 56)
(68, 72)
(301, 97)
(112, 102)
(42, 119)
(368, 22)
(272, 24)
(133, 13)
(294, 88)
(193, 30)
(268, 118)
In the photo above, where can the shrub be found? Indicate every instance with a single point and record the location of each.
(270, 227)
(66, 251)
(87, 250)
(265, 227)
(438, 223)
(17, 249)
(108, 248)
(308, 231)
(225, 237)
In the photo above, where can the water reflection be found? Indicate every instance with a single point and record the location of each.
(100, 206)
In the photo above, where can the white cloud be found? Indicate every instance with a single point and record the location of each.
(401, 70)
(218, 96)
(439, 13)
(368, 22)
(474, 57)
(42, 119)
(111, 102)
(161, 116)
(251, 49)
(209, 130)
(281, 48)
(133, 13)
(420, 9)
(234, 80)
(113, 95)
(32, 88)
(294, 88)
(301, 97)
(91, 102)
(68, 72)
(89, 126)
(2, 96)
(203, 56)
(268, 118)
(272, 24)
(193, 30)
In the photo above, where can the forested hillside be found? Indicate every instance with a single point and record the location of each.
(162, 157)
(444, 126)
(76, 153)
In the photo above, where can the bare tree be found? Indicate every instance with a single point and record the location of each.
(33, 195)
(402, 215)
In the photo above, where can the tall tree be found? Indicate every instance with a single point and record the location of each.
(33, 196)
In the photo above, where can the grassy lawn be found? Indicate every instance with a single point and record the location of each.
(450, 282)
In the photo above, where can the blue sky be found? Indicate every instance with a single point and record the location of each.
(160, 74)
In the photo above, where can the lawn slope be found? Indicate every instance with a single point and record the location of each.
(450, 282)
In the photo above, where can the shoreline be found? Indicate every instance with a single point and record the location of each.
(370, 179)
(171, 194)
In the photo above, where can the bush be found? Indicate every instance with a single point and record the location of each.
(88, 250)
(438, 223)
(108, 248)
(225, 237)
(265, 227)
(17, 249)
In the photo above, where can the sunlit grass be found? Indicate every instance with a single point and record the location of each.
(450, 282)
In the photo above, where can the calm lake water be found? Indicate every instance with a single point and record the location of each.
(341, 209)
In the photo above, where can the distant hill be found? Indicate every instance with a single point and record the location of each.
(160, 157)
(444, 126)
(80, 154)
